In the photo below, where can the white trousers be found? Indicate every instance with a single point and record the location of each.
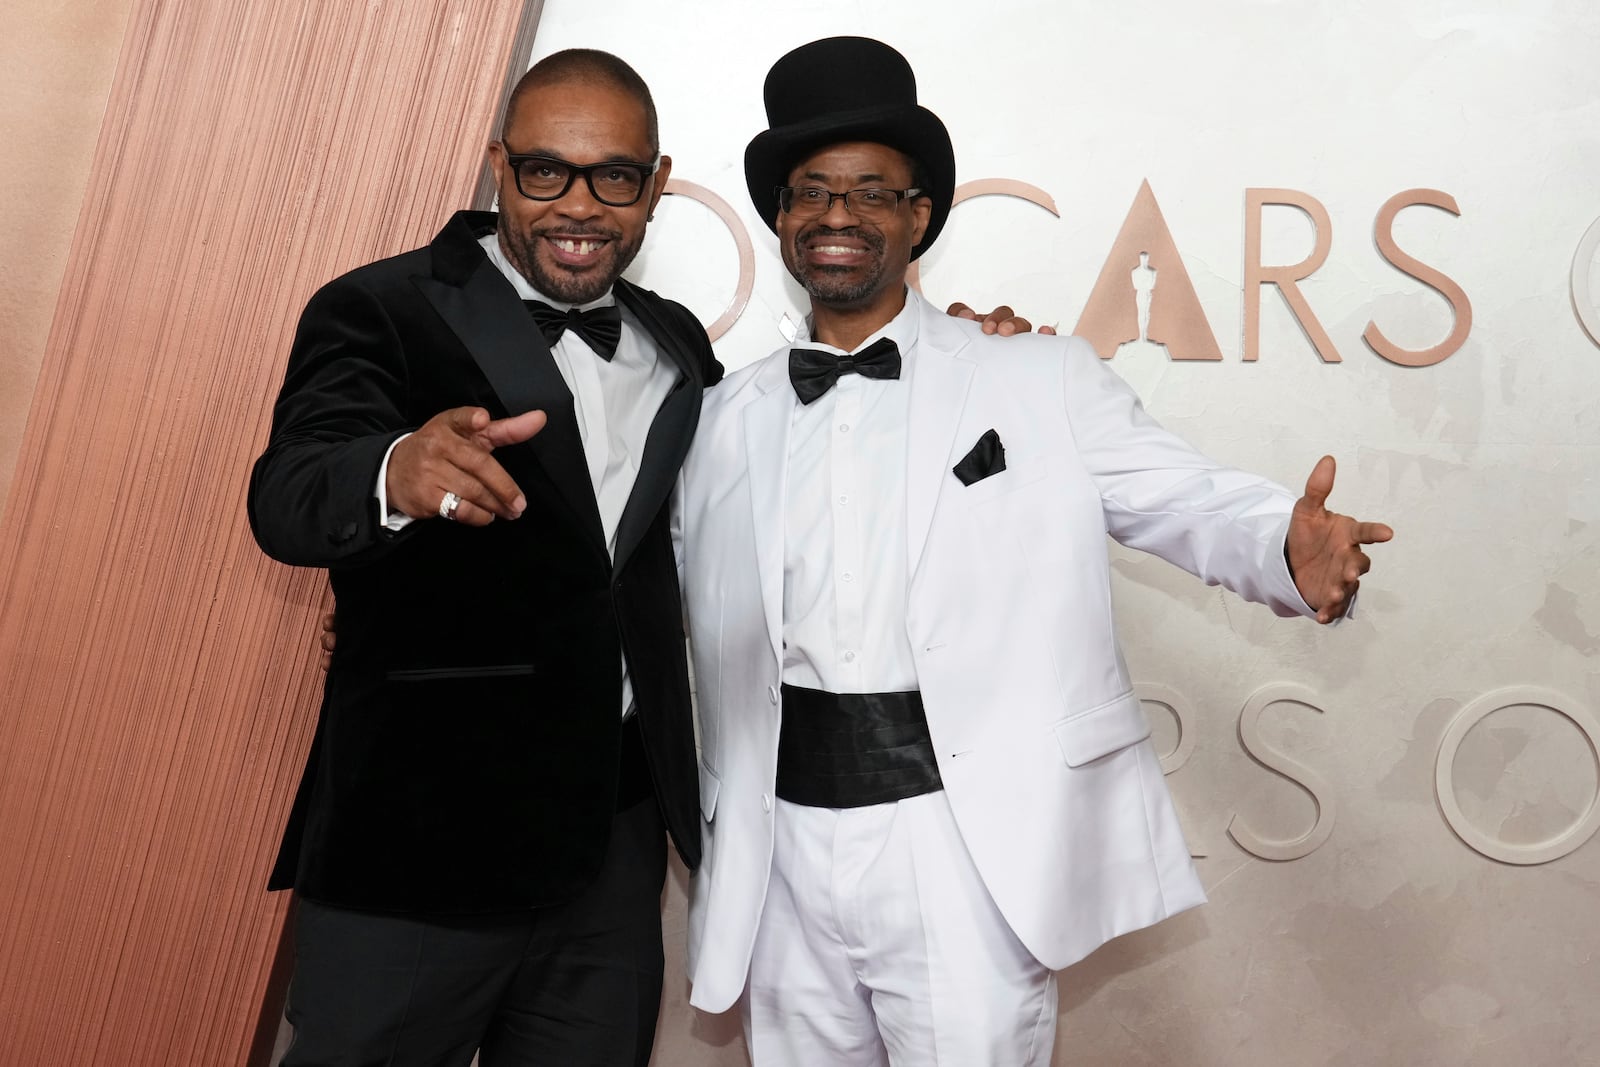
(879, 945)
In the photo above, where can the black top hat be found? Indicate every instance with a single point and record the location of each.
(847, 89)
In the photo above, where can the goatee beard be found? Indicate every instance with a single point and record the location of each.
(558, 283)
(819, 282)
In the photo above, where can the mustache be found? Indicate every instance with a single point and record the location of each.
(871, 238)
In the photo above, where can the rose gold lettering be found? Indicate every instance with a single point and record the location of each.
(741, 239)
(989, 187)
(1459, 304)
(1285, 278)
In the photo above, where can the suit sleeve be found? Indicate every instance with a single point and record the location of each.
(342, 404)
(1160, 495)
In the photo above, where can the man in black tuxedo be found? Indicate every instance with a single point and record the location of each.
(478, 845)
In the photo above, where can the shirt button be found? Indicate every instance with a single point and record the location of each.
(843, 499)
(766, 802)
(849, 657)
(844, 427)
(772, 693)
(847, 577)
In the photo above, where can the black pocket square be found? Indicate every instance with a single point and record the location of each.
(987, 457)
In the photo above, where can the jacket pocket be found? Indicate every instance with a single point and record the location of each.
(428, 674)
(1020, 473)
(1102, 730)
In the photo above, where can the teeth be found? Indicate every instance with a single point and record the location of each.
(581, 248)
(834, 250)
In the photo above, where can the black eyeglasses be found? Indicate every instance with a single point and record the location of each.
(615, 183)
(867, 205)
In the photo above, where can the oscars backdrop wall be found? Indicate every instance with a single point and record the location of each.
(1368, 229)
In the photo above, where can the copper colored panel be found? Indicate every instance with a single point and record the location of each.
(157, 674)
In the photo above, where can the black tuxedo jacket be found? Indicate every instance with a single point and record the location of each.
(466, 755)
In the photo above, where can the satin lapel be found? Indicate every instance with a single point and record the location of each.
(495, 328)
(766, 447)
(670, 432)
(939, 384)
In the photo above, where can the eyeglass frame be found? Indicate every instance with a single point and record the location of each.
(515, 160)
(900, 196)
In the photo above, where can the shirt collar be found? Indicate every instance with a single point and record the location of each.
(902, 330)
(491, 246)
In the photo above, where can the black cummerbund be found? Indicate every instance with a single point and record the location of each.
(848, 750)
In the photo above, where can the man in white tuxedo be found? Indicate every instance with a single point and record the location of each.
(926, 782)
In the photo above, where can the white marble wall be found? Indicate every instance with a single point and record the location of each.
(1392, 941)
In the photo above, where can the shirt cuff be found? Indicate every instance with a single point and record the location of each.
(399, 520)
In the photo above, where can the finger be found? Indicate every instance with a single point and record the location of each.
(1337, 602)
(1339, 608)
(961, 311)
(514, 430)
(470, 514)
(464, 422)
(996, 319)
(491, 488)
(1014, 325)
(327, 642)
(1047, 331)
(1320, 483)
(1372, 533)
(1360, 565)
(327, 622)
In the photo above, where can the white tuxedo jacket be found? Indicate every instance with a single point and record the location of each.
(1041, 742)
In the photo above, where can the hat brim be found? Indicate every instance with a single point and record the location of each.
(916, 131)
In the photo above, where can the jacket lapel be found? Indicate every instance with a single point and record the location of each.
(766, 446)
(940, 380)
(481, 307)
(670, 433)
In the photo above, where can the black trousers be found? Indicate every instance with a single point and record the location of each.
(574, 985)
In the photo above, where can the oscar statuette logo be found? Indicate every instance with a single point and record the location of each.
(1143, 299)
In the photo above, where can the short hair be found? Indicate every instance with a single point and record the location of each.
(586, 66)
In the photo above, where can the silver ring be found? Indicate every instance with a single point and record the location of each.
(447, 506)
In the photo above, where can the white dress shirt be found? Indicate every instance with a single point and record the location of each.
(845, 556)
(615, 403)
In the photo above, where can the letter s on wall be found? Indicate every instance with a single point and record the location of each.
(1302, 776)
(1453, 293)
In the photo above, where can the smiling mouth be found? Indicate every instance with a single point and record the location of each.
(578, 246)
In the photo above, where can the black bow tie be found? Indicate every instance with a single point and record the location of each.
(600, 328)
(812, 371)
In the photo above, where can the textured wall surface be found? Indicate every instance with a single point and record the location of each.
(56, 65)
(1388, 940)
(158, 674)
